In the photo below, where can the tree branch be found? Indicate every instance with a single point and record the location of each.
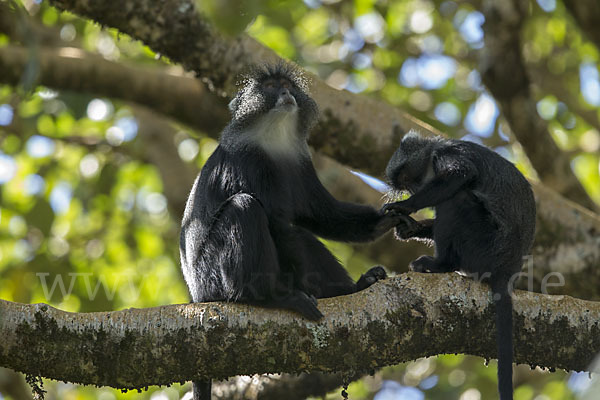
(504, 74)
(402, 318)
(69, 68)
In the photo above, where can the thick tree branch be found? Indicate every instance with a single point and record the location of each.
(402, 318)
(504, 73)
(69, 68)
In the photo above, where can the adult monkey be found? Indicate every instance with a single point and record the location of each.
(249, 223)
(484, 219)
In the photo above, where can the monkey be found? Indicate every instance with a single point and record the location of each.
(249, 225)
(484, 219)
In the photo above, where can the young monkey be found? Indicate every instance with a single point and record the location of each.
(484, 219)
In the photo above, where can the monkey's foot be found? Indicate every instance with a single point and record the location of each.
(423, 264)
(373, 275)
(302, 303)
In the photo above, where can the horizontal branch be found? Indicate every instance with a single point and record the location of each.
(69, 68)
(400, 319)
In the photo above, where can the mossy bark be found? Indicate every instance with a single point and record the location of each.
(398, 319)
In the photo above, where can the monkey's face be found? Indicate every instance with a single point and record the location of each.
(278, 89)
(401, 173)
(410, 166)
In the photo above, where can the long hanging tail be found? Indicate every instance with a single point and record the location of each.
(504, 330)
(202, 390)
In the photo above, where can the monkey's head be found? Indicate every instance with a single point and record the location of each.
(410, 167)
(279, 89)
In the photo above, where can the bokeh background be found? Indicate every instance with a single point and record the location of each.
(88, 219)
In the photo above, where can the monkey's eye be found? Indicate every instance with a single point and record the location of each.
(285, 84)
(269, 84)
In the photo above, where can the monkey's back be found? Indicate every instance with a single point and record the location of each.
(505, 194)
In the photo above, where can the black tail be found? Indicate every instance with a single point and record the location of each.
(504, 340)
(202, 390)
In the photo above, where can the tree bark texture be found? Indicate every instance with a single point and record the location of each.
(399, 319)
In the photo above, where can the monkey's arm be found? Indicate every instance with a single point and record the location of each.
(332, 219)
(451, 174)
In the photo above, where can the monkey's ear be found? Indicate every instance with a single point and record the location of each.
(233, 104)
(412, 135)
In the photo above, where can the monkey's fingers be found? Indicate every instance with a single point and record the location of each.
(304, 304)
(373, 275)
(406, 230)
(388, 208)
(311, 312)
(396, 208)
(406, 220)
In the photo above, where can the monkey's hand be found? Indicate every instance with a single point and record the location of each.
(399, 207)
(407, 230)
(390, 220)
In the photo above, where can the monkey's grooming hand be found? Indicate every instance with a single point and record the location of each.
(399, 207)
(407, 230)
(373, 275)
(391, 220)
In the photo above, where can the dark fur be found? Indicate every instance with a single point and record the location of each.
(250, 222)
(484, 223)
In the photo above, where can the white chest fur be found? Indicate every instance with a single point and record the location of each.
(277, 134)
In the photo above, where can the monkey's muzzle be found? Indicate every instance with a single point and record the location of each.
(286, 100)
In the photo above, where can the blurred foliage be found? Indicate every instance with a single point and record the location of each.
(85, 224)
